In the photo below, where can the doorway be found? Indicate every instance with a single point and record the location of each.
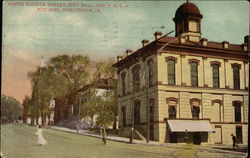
(238, 134)
(197, 138)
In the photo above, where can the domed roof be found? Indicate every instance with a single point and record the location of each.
(187, 9)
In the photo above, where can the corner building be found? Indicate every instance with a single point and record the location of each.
(185, 88)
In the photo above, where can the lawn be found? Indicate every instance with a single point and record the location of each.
(19, 141)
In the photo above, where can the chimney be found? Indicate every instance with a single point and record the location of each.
(183, 39)
(128, 52)
(244, 47)
(157, 35)
(119, 58)
(225, 44)
(144, 42)
(204, 41)
(246, 39)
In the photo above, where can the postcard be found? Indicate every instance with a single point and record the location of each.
(126, 79)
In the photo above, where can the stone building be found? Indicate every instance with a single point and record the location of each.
(185, 88)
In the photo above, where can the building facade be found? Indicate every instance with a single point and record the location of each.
(185, 88)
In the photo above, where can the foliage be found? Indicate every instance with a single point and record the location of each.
(10, 107)
(27, 103)
(105, 110)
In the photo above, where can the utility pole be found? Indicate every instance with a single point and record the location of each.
(148, 110)
(132, 116)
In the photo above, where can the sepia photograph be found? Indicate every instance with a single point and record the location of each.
(125, 79)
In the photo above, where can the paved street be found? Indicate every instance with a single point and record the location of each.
(19, 141)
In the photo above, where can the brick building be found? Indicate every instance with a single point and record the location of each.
(185, 88)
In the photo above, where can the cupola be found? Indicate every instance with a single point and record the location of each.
(187, 22)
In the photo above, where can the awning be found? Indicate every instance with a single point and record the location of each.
(189, 125)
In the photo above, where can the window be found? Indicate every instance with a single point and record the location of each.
(171, 72)
(216, 75)
(193, 25)
(150, 72)
(137, 106)
(237, 111)
(136, 77)
(151, 104)
(195, 112)
(239, 134)
(124, 116)
(171, 111)
(236, 77)
(123, 75)
(194, 73)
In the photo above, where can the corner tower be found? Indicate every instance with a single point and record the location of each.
(188, 22)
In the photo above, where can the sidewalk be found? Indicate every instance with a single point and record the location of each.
(219, 148)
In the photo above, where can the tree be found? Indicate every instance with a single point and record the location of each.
(26, 108)
(10, 107)
(105, 111)
(62, 76)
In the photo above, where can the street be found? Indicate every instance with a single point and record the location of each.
(19, 141)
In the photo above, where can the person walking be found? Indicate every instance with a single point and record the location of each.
(234, 141)
(41, 140)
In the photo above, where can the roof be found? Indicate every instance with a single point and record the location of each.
(174, 44)
(187, 9)
(189, 126)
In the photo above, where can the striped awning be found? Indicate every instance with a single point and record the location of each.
(189, 126)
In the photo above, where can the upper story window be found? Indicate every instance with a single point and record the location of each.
(171, 112)
(195, 108)
(172, 103)
(150, 72)
(136, 77)
(237, 111)
(194, 73)
(171, 71)
(123, 76)
(216, 75)
(236, 76)
(195, 112)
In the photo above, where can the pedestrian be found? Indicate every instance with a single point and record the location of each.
(41, 140)
(186, 139)
(234, 141)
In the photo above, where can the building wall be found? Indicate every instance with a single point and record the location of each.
(215, 103)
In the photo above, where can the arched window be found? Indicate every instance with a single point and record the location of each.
(236, 76)
(194, 73)
(237, 111)
(136, 77)
(150, 72)
(195, 108)
(216, 75)
(123, 76)
(172, 103)
(171, 71)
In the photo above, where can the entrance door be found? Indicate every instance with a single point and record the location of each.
(197, 138)
(151, 132)
(173, 137)
(218, 139)
(238, 134)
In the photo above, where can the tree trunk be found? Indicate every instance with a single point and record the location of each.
(42, 116)
(37, 117)
(92, 120)
(114, 123)
(104, 135)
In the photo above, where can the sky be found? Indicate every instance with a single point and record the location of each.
(108, 31)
